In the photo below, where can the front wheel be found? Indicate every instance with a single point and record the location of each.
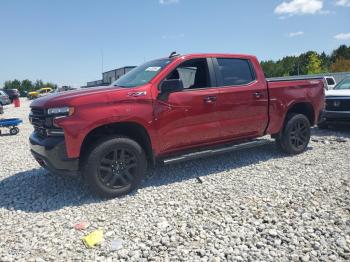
(115, 166)
(296, 134)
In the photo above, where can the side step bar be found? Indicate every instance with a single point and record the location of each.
(210, 152)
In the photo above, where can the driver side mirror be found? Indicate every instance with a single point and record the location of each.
(171, 86)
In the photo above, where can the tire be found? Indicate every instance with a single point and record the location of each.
(296, 134)
(14, 131)
(114, 166)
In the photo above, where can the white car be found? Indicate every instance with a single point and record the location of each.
(337, 105)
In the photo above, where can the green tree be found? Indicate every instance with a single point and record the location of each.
(314, 64)
(325, 62)
(8, 84)
(26, 86)
(38, 84)
(268, 68)
(342, 51)
(48, 84)
(289, 65)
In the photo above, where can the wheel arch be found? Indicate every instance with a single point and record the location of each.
(132, 130)
(304, 108)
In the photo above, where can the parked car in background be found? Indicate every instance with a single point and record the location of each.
(337, 105)
(330, 81)
(170, 110)
(12, 93)
(4, 98)
(38, 93)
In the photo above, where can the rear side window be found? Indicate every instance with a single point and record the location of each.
(330, 81)
(235, 71)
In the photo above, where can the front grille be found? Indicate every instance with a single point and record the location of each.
(42, 123)
(337, 104)
(39, 121)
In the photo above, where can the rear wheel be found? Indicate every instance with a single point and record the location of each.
(296, 134)
(115, 166)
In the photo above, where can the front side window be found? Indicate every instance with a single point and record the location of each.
(235, 71)
(142, 74)
(345, 84)
(194, 74)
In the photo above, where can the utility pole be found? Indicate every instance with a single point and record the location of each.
(298, 66)
(101, 61)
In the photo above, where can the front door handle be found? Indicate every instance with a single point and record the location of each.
(257, 95)
(209, 99)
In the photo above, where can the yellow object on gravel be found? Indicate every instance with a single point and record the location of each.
(93, 239)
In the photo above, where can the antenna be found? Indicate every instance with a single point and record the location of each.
(173, 54)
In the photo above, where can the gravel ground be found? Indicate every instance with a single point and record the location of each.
(251, 205)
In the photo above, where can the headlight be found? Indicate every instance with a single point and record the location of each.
(60, 111)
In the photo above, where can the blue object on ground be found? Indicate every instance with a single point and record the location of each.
(10, 122)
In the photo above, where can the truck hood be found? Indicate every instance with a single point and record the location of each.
(339, 92)
(76, 97)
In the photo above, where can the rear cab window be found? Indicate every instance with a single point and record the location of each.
(234, 71)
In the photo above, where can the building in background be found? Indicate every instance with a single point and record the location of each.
(110, 76)
(94, 83)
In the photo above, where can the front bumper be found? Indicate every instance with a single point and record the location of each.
(50, 153)
(335, 117)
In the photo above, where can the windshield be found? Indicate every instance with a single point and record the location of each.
(142, 74)
(345, 84)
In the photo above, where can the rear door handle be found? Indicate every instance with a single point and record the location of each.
(209, 99)
(257, 95)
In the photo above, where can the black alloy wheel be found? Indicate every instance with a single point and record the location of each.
(114, 166)
(117, 168)
(295, 136)
(299, 134)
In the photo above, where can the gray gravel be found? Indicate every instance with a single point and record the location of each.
(255, 204)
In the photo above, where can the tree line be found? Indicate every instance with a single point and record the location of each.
(26, 85)
(308, 63)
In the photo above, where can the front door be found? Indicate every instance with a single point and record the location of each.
(188, 118)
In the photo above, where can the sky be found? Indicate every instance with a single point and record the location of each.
(63, 41)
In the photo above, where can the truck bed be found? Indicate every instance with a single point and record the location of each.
(284, 93)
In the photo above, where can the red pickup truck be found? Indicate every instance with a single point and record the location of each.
(169, 110)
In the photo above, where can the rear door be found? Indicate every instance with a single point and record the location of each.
(243, 100)
(188, 118)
